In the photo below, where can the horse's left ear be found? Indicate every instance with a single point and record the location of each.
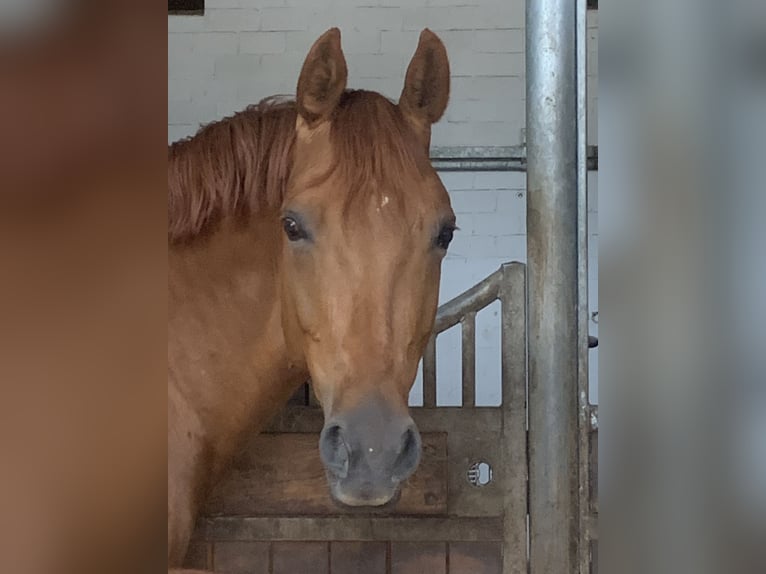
(426, 86)
(323, 78)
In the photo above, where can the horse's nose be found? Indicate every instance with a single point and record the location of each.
(378, 452)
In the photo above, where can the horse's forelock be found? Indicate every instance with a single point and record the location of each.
(241, 164)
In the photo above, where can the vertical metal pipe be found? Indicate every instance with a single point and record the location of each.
(468, 329)
(429, 373)
(584, 434)
(514, 444)
(552, 273)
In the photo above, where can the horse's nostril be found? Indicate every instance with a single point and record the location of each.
(333, 450)
(409, 454)
(409, 441)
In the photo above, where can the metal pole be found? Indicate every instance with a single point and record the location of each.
(552, 199)
(514, 368)
(583, 347)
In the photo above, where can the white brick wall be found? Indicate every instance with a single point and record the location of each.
(241, 51)
(254, 48)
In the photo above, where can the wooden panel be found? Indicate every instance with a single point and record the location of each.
(281, 474)
(350, 528)
(419, 558)
(479, 420)
(475, 558)
(235, 557)
(196, 555)
(358, 557)
(472, 437)
(299, 557)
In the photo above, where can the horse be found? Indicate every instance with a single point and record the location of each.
(305, 241)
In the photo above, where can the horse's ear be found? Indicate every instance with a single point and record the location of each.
(323, 78)
(426, 86)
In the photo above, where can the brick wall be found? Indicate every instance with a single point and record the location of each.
(240, 51)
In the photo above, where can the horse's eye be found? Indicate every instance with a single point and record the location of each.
(445, 236)
(293, 229)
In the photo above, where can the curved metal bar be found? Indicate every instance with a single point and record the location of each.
(474, 299)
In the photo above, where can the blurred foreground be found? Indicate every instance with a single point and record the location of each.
(82, 288)
(682, 210)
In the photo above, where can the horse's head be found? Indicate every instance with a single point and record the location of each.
(366, 224)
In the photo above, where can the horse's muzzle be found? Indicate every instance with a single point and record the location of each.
(368, 453)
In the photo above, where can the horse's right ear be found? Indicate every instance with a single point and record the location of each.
(323, 79)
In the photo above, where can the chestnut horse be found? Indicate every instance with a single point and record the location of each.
(306, 240)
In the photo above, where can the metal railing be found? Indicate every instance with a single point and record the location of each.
(508, 285)
(461, 309)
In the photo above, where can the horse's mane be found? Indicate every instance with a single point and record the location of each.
(241, 164)
(210, 173)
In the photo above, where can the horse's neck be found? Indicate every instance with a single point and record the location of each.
(226, 351)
